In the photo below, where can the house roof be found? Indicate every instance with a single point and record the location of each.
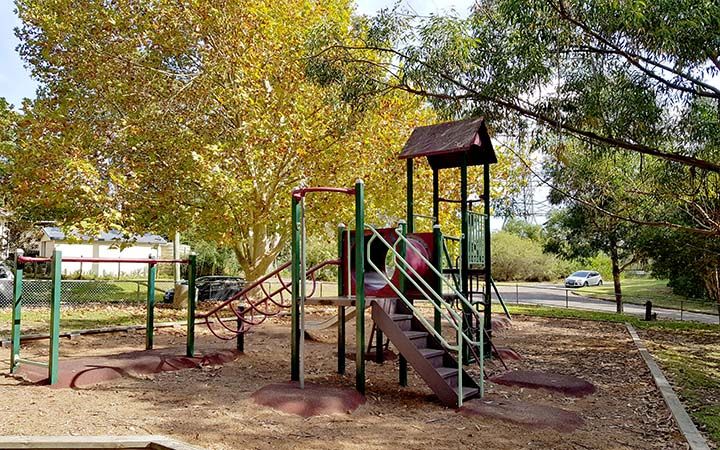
(56, 234)
(451, 144)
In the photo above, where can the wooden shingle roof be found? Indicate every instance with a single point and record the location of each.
(451, 144)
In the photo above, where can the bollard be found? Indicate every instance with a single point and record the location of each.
(566, 298)
(240, 343)
(681, 310)
(648, 311)
(517, 294)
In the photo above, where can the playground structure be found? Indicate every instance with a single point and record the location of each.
(456, 285)
(56, 261)
(423, 263)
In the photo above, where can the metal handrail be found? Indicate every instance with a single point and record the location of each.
(457, 319)
(438, 274)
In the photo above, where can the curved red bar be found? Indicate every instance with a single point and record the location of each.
(127, 260)
(258, 282)
(300, 192)
(29, 259)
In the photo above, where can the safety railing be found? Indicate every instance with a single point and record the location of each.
(446, 311)
(55, 291)
(438, 273)
(476, 238)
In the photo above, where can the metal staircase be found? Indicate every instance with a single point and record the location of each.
(424, 347)
(425, 353)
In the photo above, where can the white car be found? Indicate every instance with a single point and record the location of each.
(584, 278)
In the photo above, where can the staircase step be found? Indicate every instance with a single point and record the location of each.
(399, 317)
(430, 352)
(403, 321)
(418, 338)
(446, 372)
(433, 355)
(416, 334)
(468, 392)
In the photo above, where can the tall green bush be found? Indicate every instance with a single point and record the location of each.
(520, 259)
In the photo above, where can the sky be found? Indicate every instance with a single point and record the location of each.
(15, 81)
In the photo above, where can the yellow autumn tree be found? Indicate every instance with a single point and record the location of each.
(166, 115)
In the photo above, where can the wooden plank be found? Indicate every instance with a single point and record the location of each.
(330, 301)
(687, 427)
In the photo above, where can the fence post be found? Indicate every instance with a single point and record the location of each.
(192, 266)
(340, 293)
(16, 312)
(150, 321)
(56, 270)
(403, 364)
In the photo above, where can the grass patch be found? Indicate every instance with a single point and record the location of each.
(564, 313)
(36, 320)
(689, 353)
(695, 373)
(638, 291)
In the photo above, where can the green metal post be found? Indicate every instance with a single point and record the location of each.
(192, 272)
(150, 319)
(436, 195)
(438, 242)
(488, 263)
(295, 274)
(341, 309)
(410, 198)
(360, 286)
(464, 252)
(54, 359)
(16, 313)
(402, 285)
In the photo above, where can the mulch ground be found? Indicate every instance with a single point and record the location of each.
(212, 406)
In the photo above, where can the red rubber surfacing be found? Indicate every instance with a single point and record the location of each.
(565, 384)
(84, 372)
(314, 400)
(519, 412)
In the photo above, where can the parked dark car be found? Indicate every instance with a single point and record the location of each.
(215, 287)
(6, 285)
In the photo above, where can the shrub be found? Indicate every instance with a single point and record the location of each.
(520, 259)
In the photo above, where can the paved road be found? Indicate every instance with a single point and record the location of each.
(557, 296)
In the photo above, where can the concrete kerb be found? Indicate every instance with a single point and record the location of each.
(95, 442)
(693, 436)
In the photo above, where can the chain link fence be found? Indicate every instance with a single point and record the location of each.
(79, 293)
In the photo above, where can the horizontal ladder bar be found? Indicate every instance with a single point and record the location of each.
(30, 362)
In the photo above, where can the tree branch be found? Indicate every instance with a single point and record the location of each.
(699, 231)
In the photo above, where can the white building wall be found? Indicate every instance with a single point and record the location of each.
(100, 250)
(137, 251)
(4, 235)
(71, 251)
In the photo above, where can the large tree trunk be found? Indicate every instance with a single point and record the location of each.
(257, 254)
(616, 278)
(712, 285)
